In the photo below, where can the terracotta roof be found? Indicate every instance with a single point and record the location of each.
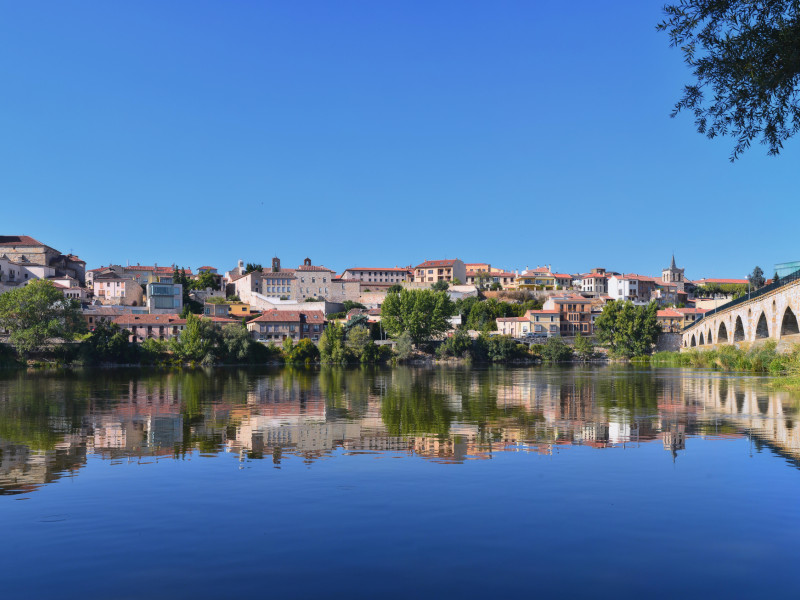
(399, 269)
(314, 268)
(511, 319)
(712, 280)
(562, 276)
(290, 316)
(539, 270)
(430, 264)
(669, 313)
(692, 310)
(166, 319)
(19, 240)
(543, 312)
(277, 274)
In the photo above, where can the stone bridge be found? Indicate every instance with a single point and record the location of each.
(769, 314)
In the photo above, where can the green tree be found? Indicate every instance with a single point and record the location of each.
(583, 346)
(305, 351)
(37, 313)
(405, 346)
(440, 286)
(357, 339)
(331, 344)
(556, 350)
(745, 54)
(756, 278)
(198, 341)
(459, 344)
(250, 267)
(776, 278)
(395, 288)
(108, 343)
(482, 316)
(628, 330)
(235, 343)
(482, 280)
(422, 313)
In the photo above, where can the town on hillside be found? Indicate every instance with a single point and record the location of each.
(277, 302)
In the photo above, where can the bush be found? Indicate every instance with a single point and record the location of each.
(556, 350)
(459, 344)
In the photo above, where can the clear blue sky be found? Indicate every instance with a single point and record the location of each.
(373, 133)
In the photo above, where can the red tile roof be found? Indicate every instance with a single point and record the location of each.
(165, 319)
(397, 269)
(290, 316)
(721, 281)
(431, 264)
(692, 310)
(19, 240)
(314, 268)
(669, 313)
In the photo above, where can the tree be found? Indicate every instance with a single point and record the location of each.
(556, 350)
(236, 343)
(395, 288)
(583, 347)
(252, 267)
(108, 343)
(756, 278)
(745, 54)
(440, 286)
(305, 351)
(628, 330)
(357, 339)
(456, 281)
(482, 279)
(776, 278)
(203, 281)
(422, 313)
(405, 346)
(331, 344)
(198, 341)
(38, 312)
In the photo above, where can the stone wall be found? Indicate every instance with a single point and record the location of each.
(668, 342)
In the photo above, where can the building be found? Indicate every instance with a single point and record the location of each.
(447, 270)
(377, 278)
(148, 326)
(690, 315)
(670, 320)
(543, 278)
(595, 282)
(674, 275)
(575, 313)
(312, 281)
(545, 322)
(486, 278)
(513, 326)
(633, 287)
(165, 297)
(278, 325)
(24, 249)
(112, 289)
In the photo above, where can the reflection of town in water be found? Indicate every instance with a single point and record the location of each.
(51, 425)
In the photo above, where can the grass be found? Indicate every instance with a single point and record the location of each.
(759, 359)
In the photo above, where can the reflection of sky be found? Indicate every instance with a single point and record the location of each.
(225, 492)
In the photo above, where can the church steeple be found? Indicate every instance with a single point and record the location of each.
(672, 264)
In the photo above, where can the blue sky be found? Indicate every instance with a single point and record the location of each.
(373, 134)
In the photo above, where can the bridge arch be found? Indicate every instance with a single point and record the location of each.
(789, 325)
(738, 330)
(693, 343)
(722, 333)
(762, 329)
(701, 341)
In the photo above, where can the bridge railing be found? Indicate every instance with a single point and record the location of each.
(747, 297)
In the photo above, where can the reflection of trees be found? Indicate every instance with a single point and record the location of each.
(412, 406)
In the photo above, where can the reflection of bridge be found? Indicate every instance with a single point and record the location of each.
(769, 313)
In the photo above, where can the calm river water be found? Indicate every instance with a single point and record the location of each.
(400, 483)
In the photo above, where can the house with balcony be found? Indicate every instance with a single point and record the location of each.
(575, 313)
(447, 270)
(141, 327)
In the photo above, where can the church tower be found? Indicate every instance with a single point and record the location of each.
(673, 274)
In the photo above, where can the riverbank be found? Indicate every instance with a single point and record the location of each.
(761, 359)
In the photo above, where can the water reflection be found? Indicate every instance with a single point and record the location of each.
(51, 424)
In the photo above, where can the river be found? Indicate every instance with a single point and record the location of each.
(398, 483)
